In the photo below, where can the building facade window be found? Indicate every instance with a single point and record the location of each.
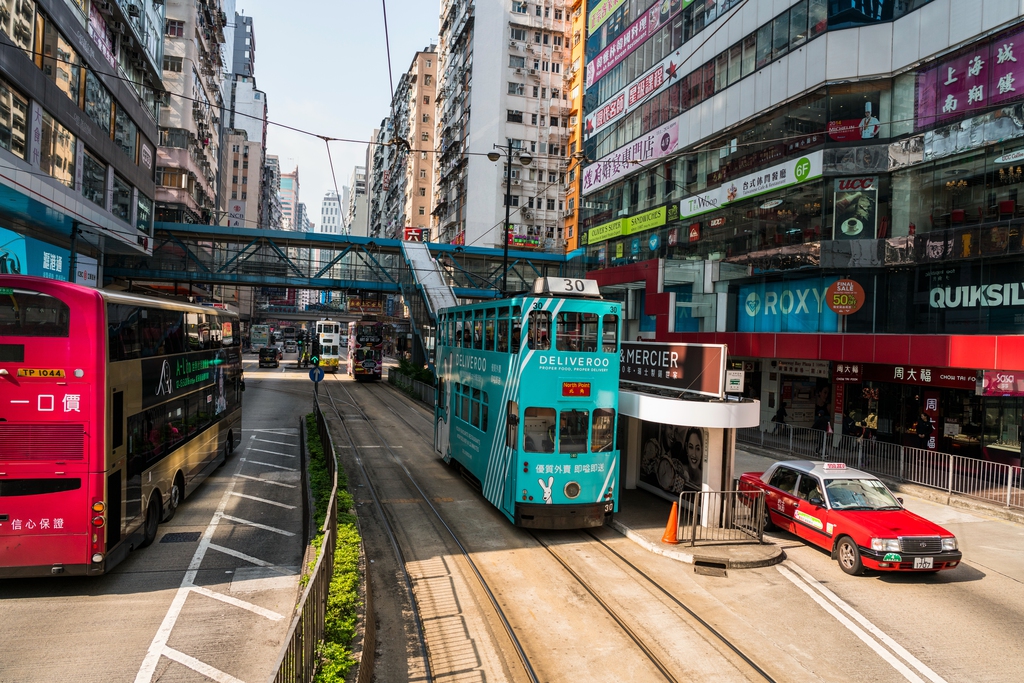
(94, 179)
(126, 133)
(175, 28)
(172, 63)
(13, 120)
(121, 204)
(98, 101)
(57, 151)
(59, 61)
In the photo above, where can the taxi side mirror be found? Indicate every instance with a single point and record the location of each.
(815, 500)
(900, 500)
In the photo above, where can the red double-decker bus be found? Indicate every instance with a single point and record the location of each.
(113, 408)
(366, 345)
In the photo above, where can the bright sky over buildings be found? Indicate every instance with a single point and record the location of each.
(323, 65)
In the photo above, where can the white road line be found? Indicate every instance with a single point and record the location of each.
(283, 455)
(268, 464)
(239, 520)
(856, 630)
(280, 431)
(378, 446)
(279, 443)
(200, 667)
(263, 500)
(242, 604)
(159, 643)
(242, 556)
(266, 481)
(874, 630)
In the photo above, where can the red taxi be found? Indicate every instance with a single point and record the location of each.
(852, 515)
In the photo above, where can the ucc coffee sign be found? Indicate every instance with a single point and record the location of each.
(693, 368)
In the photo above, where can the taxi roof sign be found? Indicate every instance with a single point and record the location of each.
(834, 466)
(565, 286)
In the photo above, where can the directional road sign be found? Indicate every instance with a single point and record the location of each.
(316, 374)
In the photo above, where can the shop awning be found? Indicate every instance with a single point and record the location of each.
(687, 413)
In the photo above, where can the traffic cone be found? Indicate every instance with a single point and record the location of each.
(672, 528)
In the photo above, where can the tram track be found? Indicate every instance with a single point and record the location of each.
(686, 615)
(389, 525)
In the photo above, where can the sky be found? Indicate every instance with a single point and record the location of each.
(323, 65)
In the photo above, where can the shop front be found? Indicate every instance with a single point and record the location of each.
(796, 392)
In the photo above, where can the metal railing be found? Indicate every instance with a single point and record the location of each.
(720, 517)
(299, 656)
(982, 479)
(421, 390)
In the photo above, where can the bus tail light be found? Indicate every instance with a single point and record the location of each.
(98, 506)
(97, 521)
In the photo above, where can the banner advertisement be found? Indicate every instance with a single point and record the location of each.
(646, 25)
(787, 174)
(416, 234)
(86, 271)
(20, 255)
(672, 458)
(856, 208)
(1002, 383)
(982, 78)
(693, 368)
(657, 78)
(171, 376)
(601, 12)
(655, 145)
(358, 304)
(788, 306)
(236, 214)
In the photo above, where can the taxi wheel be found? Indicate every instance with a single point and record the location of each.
(769, 525)
(849, 556)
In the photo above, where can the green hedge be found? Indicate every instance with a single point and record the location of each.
(418, 373)
(343, 599)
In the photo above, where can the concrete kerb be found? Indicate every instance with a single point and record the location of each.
(922, 492)
(691, 558)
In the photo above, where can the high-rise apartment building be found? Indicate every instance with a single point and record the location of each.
(78, 126)
(401, 185)
(358, 210)
(188, 158)
(241, 179)
(289, 194)
(330, 215)
(271, 201)
(492, 91)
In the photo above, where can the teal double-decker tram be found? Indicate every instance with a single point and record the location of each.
(527, 400)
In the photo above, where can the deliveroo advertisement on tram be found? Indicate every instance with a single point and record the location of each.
(20, 255)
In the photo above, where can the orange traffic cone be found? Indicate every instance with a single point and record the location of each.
(672, 528)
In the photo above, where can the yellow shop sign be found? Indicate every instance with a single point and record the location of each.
(644, 221)
(605, 231)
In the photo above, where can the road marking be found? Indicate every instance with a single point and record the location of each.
(263, 500)
(200, 667)
(280, 431)
(239, 520)
(853, 628)
(266, 481)
(284, 455)
(378, 446)
(242, 604)
(279, 443)
(159, 643)
(862, 620)
(242, 556)
(268, 464)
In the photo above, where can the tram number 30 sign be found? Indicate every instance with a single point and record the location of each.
(845, 297)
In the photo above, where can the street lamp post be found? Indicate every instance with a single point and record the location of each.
(524, 159)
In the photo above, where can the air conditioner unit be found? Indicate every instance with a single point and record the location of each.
(517, 181)
(533, 72)
(573, 120)
(526, 213)
(519, 70)
(133, 10)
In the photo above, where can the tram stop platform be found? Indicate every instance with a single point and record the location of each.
(642, 517)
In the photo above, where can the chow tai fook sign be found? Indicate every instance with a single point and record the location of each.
(917, 375)
(692, 368)
(988, 74)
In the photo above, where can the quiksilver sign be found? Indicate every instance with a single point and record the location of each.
(975, 296)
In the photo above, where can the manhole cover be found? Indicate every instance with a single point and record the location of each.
(181, 537)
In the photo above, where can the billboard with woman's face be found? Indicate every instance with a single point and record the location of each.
(672, 458)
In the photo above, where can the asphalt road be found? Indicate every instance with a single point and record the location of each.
(217, 606)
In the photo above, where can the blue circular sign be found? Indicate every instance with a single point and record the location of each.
(316, 374)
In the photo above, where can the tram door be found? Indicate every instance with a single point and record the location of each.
(508, 499)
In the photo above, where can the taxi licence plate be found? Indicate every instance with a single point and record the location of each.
(924, 563)
(39, 372)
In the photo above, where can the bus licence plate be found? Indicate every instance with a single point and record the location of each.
(39, 372)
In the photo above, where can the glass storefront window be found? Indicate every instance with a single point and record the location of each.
(798, 24)
(125, 133)
(57, 151)
(122, 203)
(13, 120)
(97, 101)
(94, 179)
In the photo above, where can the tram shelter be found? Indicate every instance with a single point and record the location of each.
(677, 429)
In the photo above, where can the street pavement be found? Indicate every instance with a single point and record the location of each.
(216, 605)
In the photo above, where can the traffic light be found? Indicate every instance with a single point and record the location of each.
(315, 360)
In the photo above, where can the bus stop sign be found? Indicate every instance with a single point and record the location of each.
(317, 375)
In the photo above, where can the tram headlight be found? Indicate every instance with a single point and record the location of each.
(571, 490)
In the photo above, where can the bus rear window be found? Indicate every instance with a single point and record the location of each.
(24, 313)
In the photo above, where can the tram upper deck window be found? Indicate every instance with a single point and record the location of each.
(25, 313)
(539, 331)
(489, 330)
(572, 431)
(503, 329)
(610, 334)
(539, 430)
(478, 331)
(577, 332)
(603, 432)
(517, 316)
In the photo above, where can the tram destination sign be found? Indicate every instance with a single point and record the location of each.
(691, 368)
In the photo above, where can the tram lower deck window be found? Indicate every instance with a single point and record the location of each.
(603, 432)
(539, 430)
(572, 431)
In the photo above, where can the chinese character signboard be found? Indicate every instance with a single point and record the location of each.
(416, 234)
(576, 389)
(659, 143)
(987, 75)
(950, 378)
(646, 25)
(20, 255)
(236, 214)
(694, 368)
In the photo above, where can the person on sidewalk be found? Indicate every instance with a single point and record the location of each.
(780, 416)
(923, 429)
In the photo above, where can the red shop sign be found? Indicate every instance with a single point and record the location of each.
(695, 232)
(950, 378)
(1002, 383)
